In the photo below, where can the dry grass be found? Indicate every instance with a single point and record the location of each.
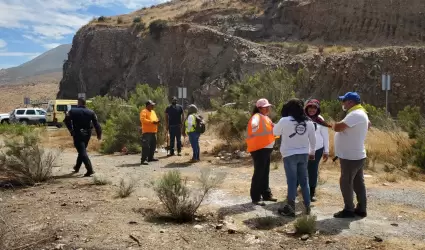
(62, 139)
(305, 224)
(101, 180)
(385, 147)
(179, 10)
(126, 188)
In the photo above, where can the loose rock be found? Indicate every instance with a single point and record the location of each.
(219, 226)
(378, 239)
(231, 231)
(198, 227)
(305, 237)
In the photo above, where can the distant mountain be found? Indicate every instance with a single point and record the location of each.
(48, 62)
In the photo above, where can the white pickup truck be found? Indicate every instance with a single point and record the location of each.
(4, 118)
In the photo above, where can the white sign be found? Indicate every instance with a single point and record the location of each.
(27, 101)
(386, 82)
(182, 93)
(82, 95)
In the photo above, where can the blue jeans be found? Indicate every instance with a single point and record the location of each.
(313, 171)
(194, 142)
(296, 171)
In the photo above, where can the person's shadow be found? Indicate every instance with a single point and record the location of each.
(334, 226)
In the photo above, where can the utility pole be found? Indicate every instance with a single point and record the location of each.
(386, 86)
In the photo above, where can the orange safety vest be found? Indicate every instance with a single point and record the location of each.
(262, 137)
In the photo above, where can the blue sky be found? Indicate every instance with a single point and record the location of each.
(30, 27)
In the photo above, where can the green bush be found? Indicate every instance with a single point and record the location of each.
(137, 19)
(418, 150)
(275, 85)
(178, 199)
(410, 120)
(15, 129)
(105, 106)
(119, 20)
(306, 224)
(101, 19)
(122, 127)
(378, 117)
(331, 110)
(156, 27)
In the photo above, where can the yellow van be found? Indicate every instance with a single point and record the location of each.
(56, 110)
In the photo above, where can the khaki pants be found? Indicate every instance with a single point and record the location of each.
(352, 180)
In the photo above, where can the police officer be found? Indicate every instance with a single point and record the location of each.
(78, 121)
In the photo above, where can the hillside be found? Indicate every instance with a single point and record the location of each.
(48, 62)
(208, 45)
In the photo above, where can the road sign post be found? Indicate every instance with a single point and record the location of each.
(386, 86)
(182, 93)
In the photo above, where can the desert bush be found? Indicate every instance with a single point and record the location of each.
(25, 160)
(418, 150)
(156, 27)
(305, 224)
(126, 188)
(100, 180)
(378, 117)
(105, 106)
(16, 129)
(231, 121)
(331, 110)
(101, 19)
(119, 20)
(140, 26)
(178, 199)
(137, 19)
(410, 120)
(122, 128)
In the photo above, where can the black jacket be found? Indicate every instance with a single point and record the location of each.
(79, 121)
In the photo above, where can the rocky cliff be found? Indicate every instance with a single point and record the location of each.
(210, 45)
(106, 60)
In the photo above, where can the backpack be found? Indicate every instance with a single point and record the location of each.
(200, 124)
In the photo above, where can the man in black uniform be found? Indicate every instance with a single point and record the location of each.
(174, 117)
(78, 121)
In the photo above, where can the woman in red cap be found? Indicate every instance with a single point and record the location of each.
(312, 110)
(260, 142)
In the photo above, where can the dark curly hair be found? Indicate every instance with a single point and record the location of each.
(294, 108)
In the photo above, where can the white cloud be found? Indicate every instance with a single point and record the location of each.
(54, 19)
(51, 45)
(3, 43)
(28, 54)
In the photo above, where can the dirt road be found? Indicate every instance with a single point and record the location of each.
(72, 213)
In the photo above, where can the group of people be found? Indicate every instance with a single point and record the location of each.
(176, 124)
(304, 142)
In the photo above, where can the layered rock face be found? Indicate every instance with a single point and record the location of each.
(112, 61)
(215, 50)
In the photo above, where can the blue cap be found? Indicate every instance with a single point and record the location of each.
(350, 96)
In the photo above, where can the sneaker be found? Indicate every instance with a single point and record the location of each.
(359, 213)
(142, 162)
(259, 203)
(313, 199)
(76, 170)
(169, 155)
(286, 211)
(344, 214)
(179, 153)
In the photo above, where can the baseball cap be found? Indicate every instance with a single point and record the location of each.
(174, 98)
(350, 96)
(263, 103)
(150, 102)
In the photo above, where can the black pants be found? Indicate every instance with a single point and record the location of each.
(260, 179)
(175, 135)
(148, 146)
(80, 143)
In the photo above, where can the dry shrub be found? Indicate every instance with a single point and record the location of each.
(231, 146)
(305, 224)
(178, 199)
(25, 161)
(390, 177)
(126, 188)
(101, 180)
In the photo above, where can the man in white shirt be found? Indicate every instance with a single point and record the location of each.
(350, 149)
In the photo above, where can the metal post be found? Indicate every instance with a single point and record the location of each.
(386, 101)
